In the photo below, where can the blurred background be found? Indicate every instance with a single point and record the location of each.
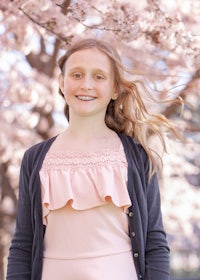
(156, 37)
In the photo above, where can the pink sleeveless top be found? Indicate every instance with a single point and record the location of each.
(85, 199)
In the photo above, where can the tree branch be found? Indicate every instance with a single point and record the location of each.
(45, 26)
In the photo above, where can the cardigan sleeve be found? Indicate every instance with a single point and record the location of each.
(20, 253)
(157, 250)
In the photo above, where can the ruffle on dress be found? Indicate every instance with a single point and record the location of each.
(84, 180)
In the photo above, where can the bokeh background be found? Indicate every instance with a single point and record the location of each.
(157, 37)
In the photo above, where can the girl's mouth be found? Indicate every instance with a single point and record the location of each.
(85, 97)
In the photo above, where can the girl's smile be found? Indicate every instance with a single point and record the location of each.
(85, 98)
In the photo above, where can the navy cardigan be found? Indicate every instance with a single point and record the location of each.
(149, 245)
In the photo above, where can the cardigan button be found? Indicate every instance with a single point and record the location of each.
(136, 255)
(130, 214)
(140, 276)
(133, 234)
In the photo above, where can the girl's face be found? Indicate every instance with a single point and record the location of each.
(88, 83)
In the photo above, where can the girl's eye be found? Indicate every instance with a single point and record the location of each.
(99, 77)
(77, 75)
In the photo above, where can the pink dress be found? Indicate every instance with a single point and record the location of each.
(85, 200)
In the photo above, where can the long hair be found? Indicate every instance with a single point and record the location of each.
(128, 113)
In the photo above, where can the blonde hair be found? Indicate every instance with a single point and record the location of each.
(128, 113)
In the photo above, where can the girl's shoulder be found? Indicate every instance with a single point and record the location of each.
(38, 147)
(37, 151)
(135, 153)
(130, 143)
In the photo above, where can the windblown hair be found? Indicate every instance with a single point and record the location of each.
(128, 113)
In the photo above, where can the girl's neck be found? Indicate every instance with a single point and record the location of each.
(85, 136)
(87, 129)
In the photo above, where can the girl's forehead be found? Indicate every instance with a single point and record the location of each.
(89, 57)
(89, 52)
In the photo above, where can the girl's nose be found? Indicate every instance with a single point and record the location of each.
(87, 83)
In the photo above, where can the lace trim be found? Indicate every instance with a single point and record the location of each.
(74, 160)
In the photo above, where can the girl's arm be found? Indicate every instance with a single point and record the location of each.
(157, 250)
(19, 260)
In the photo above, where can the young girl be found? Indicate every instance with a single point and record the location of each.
(89, 202)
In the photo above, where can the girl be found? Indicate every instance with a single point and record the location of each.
(89, 202)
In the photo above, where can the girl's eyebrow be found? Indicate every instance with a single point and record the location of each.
(79, 68)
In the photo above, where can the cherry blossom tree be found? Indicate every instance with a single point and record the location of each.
(156, 37)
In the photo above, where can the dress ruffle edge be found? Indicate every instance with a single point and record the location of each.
(84, 189)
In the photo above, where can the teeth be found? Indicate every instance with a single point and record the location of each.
(85, 98)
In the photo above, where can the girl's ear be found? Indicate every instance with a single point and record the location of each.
(114, 96)
(61, 82)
